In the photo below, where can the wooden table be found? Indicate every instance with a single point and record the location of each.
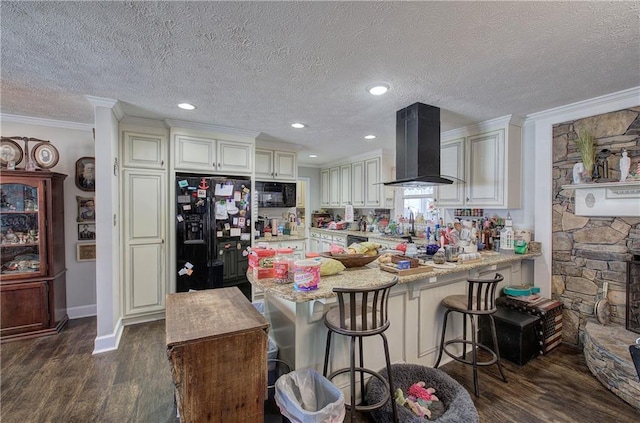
(217, 345)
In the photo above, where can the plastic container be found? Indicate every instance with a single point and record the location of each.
(281, 264)
(307, 275)
(312, 255)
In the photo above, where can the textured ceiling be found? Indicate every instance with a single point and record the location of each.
(262, 65)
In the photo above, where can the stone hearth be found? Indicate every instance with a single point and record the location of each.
(606, 351)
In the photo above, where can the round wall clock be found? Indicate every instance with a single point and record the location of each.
(45, 155)
(10, 151)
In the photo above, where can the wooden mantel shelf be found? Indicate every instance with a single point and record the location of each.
(607, 199)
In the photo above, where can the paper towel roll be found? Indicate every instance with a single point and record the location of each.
(348, 213)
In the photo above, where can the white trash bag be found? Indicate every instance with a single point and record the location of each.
(305, 396)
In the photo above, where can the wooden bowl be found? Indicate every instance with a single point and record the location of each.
(351, 260)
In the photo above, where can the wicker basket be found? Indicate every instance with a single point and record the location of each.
(351, 260)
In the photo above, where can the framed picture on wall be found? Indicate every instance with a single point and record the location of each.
(86, 209)
(85, 173)
(86, 231)
(86, 252)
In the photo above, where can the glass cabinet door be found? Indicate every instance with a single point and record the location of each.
(22, 230)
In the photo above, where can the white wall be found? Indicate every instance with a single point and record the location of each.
(313, 189)
(71, 144)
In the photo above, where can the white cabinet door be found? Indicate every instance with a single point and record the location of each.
(285, 165)
(357, 184)
(486, 176)
(144, 202)
(325, 242)
(372, 178)
(195, 153)
(301, 193)
(324, 188)
(144, 150)
(264, 164)
(451, 164)
(315, 244)
(334, 187)
(340, 240)
(345, 185)
(234, 157)
(297, 247)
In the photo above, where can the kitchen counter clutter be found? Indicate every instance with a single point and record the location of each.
(371, 275)
(281, 238)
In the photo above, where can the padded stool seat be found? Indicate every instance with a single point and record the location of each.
(361, 312)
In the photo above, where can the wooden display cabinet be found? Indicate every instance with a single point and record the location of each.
(32, 267)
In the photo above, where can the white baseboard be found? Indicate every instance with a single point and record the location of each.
(108, 342)
(82, 311)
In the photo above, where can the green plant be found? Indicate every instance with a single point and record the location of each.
(586, 145)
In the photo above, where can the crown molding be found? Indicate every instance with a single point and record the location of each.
(139, 121)
(486, 125)
(28, 120)
(619, 100)
(109, 103)
(174, 123)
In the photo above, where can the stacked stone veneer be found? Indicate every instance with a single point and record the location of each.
(588, 251)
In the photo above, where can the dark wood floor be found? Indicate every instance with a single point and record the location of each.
(56, 379)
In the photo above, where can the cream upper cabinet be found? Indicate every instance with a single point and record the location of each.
(301, 193)
(334, 187)
(144, 150)
(451, 164)
(345, 185)
(357, 184)
(210, 155)
(492, 166)
(234, 157)
(373, 190)
(274, 164)
(324, 188)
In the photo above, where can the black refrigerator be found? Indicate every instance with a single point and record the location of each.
(213, 230)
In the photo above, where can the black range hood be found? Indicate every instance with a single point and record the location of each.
(418, 147)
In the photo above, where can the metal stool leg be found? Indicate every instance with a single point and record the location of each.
(326, 353)
(352, 375)
(391, 390)
(361, 366)
(444, 330)
(464, 336)
(474, 352)
(496, 348)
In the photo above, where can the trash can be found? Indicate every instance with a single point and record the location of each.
(305, 396)
(276, 368)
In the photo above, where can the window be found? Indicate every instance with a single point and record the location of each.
(418, 201)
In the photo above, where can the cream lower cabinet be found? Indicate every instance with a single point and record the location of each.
(298, 247)
(315, 243)
(144, 261)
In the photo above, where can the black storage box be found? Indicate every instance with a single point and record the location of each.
(519, 335)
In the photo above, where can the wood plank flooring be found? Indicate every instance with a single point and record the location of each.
(56, 379)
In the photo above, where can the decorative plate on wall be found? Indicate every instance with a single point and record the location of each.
(10, 151)
(45, 155)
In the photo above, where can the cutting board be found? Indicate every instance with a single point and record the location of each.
(403, 272)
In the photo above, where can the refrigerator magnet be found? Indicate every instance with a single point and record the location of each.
(180, 218)
(227, 226)
(184, 199)
(236, 196)
(241, 221)
(234, 221)
(186, 207)
(245, 237)
(224, 190)
(188, 265)
(189, 272)
(183, 183)
(234, 232)
(202, 193)
(182, 272)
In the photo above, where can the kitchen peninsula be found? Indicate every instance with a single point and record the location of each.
(414, 310)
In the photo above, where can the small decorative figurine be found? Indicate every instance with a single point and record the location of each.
(625, 164)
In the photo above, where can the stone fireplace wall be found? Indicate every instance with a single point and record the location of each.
(588, 251)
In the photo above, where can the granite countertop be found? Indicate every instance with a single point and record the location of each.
(371, 235)
(370, 275)
(281, 238)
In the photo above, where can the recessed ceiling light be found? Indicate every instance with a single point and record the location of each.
(186, 106)
(313, 156)
(378, 88)
(298, 125)
(369, 137)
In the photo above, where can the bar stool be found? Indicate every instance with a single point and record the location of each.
(361, 312)
(479, 301)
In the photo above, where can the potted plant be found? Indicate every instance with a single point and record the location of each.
(586, 145)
